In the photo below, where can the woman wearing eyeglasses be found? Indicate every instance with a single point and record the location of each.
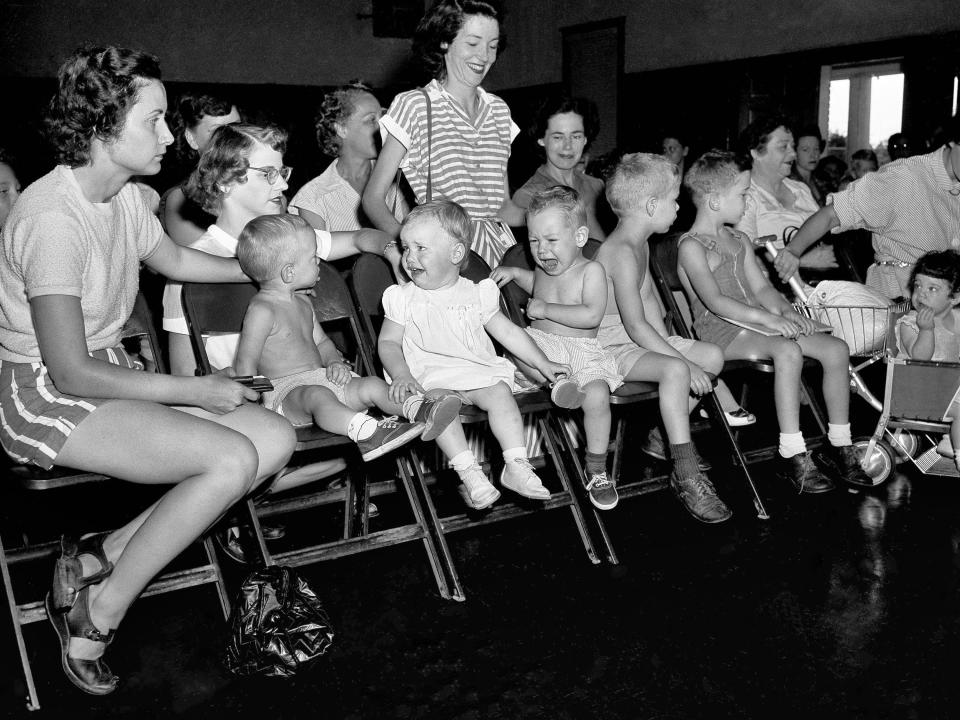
(241, 176)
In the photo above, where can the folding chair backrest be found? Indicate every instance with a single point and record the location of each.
(666, 278)
(140, 324)
(213, 308)
(514, 296)
(590, 249)
(476, 268)
(369, 277)
(332, 302)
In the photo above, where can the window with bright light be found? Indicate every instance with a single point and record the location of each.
(861, 106)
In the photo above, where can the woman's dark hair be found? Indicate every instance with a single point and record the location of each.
(97, 86)
(336, 107)
(7, 157)
(440, 25)
(943, 265)
(225, 161)
(756, 135)
(190, 109)
(560, 104)
(809, 131)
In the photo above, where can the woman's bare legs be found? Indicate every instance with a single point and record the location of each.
(212, 461)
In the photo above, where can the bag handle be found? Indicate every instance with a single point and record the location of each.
(429, 143)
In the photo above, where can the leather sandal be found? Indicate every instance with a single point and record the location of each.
(91, 676)
(68, 578)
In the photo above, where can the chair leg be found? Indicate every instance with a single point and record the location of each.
(221, 583)
(33, 701)
(404, 466)
(618, 450)
(454, 587)
(258, 533)
(567, 441)
(716, 415)
(551, 440)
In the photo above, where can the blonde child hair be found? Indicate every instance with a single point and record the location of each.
(451, 218)
(267, 243)
(639, 176)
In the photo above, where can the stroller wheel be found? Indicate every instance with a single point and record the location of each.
(882, 462)
(904, 443)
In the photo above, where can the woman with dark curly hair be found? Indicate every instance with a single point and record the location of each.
(195, 117)
(565, 128)
(452, 138)
(71, 395)
(347, 128)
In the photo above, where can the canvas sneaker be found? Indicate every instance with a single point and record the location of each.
(389, 435)
(603, 493)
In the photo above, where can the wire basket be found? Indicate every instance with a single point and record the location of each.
(868, 331)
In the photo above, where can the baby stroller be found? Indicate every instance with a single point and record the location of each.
(916, 394)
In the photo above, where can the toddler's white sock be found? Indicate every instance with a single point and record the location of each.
(361, 427)
(839, 435)
(462, 461)
(792, 444)
(514, 454)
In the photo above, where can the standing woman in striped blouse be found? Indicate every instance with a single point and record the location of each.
(463, 148)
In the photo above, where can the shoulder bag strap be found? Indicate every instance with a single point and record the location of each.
(429, 143)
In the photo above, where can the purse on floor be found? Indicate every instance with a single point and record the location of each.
(278, 626)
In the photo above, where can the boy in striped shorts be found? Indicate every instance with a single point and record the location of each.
(569, 297)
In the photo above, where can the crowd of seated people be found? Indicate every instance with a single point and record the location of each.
(74, 241)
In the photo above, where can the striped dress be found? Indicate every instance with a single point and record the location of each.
(467, 159)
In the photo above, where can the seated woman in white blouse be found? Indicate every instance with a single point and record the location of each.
(775, 204)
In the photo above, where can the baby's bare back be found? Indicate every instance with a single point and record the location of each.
(291, 346)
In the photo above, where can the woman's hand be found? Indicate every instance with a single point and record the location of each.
(403, 387)
(786, 264)
(339, 373)
(221, 395)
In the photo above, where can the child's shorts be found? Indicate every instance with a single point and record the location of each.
(37, 418)
(615, 340)
(588, 360)
(282, 386)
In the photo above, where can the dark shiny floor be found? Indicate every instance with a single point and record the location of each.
(840, 606)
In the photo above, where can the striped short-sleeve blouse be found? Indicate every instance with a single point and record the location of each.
(467, 158)
(912, 207)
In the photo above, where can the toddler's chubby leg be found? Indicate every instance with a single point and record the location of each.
(507, 426)
(434, 411)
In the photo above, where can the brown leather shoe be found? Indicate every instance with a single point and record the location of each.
(802, 473)
(91, 676)
(700, 498)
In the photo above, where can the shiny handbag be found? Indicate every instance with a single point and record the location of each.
(278, 626)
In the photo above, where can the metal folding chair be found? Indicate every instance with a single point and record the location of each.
(210, 307)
